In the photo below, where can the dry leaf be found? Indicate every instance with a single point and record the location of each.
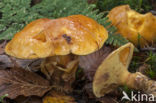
(10, 62)
(58, 98)
(107, 99)
(5, 62)
(32, 99)
(2, 45)
(28, 64)
(89, 90)
(90, 62)
(17, 81)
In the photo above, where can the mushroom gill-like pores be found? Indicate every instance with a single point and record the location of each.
(61, 71)
(140, 29)
(113, 72)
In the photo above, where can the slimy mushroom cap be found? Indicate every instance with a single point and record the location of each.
(136, 27)
(76, 34)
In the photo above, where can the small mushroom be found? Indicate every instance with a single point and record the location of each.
(113, 72)
(140, 29)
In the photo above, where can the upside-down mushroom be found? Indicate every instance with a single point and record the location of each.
(138, 28)
(56, 40)
(113, 72)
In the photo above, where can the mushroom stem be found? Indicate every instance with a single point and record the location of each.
(113, 72)
(139, 81)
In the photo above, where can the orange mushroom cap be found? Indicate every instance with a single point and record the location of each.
(76, 34)
(131, 24)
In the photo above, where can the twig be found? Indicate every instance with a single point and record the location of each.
(148, 49)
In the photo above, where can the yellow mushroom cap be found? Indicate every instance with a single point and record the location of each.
(76, 34)
(131, 24)
(111, 71)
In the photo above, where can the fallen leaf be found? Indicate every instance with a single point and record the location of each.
(32, 99)
(55, 97)
(89, 90)
(107, 99)
(10, 62)
(5, 62)
(28, 64)
(2, 45)
(17, 81)
(90, 62)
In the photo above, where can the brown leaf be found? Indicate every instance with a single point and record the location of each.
(2, 45)
(89, 90)
(107, 99)
(90, 62)
(56, 97)
(10, 62)
(17, 81)
(28, 64)
(32, 99)
(5, 62)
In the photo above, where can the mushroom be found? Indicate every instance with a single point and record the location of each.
(113, 72)
(58, 41)
(76, 34)
(140, 29)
